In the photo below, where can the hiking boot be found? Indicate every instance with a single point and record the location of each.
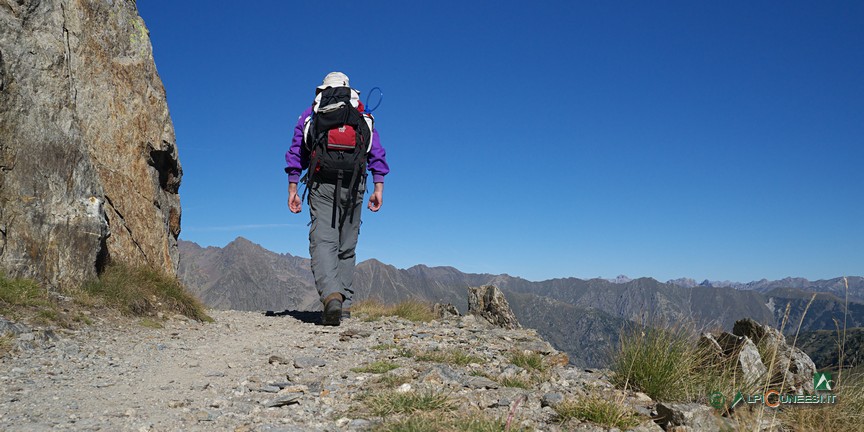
(332, 315)
(346, 313)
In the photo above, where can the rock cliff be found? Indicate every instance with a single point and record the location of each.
(88, 160)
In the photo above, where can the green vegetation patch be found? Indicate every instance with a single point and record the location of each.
(663, 363)
(22, 293)
(435, 422)
(391, 402)
(384, 347)
(6, 344)
(377, 367)
(25, 300)
(143, 291)
(597, 410)
(150, 323)
(412, 310)
(528, 360)
(515, 382)
(400, 351)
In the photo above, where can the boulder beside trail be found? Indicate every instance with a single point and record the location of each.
(489, 303)
(792, 366)
(759, 351)
(89, 169)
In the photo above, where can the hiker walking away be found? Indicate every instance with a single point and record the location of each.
(336, 142)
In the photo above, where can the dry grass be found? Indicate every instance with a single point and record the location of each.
(516, 382)
(411, 310)
(400, 351)
(453, 356)
(27, 301)
(377, 367)
(662, 363)
(847, 415)
(528, 360)
(392, 402)
(438, 422)
(597, 410)
(666, 365)
(6, 345)
(135, 291)
(141, 291)
(15, 293)
(150, 323)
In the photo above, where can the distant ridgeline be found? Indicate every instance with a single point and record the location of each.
(588, 314)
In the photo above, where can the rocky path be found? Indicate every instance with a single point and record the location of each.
(251, 372)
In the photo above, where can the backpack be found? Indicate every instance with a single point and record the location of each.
(338, 138)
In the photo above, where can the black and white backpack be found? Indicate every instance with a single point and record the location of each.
(338, 138)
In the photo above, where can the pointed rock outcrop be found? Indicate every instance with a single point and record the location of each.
(489, 303)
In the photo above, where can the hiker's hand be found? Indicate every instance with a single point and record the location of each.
(294, 203)
(377, 197)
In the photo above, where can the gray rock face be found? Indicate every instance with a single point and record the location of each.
(489, 303)
(750, 362)
(742, 349)
(792, 366)
(88, 161)
(695, 416)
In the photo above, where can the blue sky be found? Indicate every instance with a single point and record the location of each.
(713, 140)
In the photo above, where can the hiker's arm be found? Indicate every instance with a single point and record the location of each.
(294, 202)
(377, 197)
(296, 159)
(378, 159)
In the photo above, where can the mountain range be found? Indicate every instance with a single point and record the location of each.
(581, 317)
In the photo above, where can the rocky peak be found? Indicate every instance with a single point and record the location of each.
(88, 160)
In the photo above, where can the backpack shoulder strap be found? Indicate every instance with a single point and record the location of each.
(370, 122)
(307, 124)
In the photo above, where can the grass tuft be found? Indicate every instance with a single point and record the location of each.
(21, 293)
(453, 356)
(387, 403)
(377, 367)
(528, 360)
(411, 310)
(26, 300)
(400, 351)
(597, 410)
(143, 291)
(435, 422)
(150, 323)
(385, 347)
(663, 363)
(515, 382)
(6, 344)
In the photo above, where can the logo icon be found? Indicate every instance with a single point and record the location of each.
(717, 400)
(738, 398)
(822, 381)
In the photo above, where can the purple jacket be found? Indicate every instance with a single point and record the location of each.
(297, 157)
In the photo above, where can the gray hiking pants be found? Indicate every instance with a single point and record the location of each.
(332, 247)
